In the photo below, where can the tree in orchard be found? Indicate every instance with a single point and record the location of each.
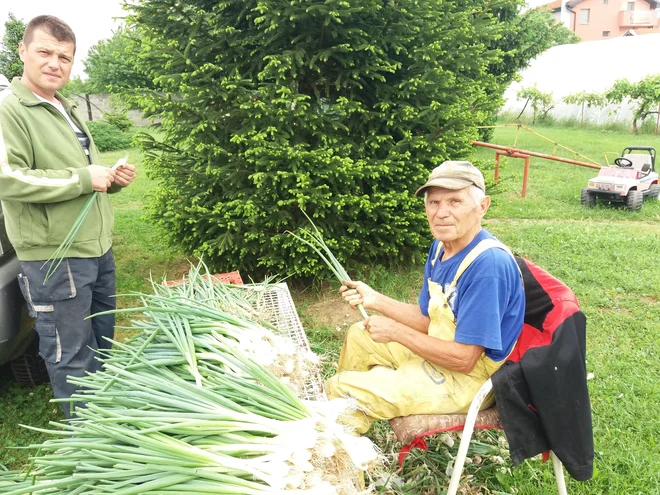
(644, 95)
(10, 63)
(111, 66)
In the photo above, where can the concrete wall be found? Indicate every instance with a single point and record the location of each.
(591, 66)
(98, 104)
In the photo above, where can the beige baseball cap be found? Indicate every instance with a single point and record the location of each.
(454, 175)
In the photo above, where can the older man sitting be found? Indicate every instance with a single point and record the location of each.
(432, 357)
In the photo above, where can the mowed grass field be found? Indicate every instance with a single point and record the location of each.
(609, 256)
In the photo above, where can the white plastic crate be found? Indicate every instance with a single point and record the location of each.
(281, 312)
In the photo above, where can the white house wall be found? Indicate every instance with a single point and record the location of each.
(591, 66)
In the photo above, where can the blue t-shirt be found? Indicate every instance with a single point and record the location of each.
(489, 300)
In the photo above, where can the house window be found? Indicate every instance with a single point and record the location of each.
(631, 5)
(606, 34)
(584, 16)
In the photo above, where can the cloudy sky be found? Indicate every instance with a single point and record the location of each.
(91, 20)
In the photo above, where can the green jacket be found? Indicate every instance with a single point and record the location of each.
(44, 180)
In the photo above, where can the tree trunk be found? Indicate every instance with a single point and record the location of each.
(545, 112)
(521, 112)
(582, 115)
(89, 107)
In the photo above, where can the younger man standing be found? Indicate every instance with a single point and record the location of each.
(49, 166)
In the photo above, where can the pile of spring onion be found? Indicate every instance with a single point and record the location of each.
(188, 405)
(314, 239)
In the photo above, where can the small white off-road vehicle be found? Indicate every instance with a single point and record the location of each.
(633, 179)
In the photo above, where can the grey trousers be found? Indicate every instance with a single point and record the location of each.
(67, 341)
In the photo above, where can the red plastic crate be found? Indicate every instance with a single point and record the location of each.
(222, 278)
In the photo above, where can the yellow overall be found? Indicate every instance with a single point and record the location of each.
(389, 380)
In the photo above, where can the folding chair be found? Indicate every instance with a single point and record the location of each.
(411, 430)
(552, 339)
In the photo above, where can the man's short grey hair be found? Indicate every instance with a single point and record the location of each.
(476, 194)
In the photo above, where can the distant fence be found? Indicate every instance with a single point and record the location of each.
(620, 113)
(92, 107)
(609, 113)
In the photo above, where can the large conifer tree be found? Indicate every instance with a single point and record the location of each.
(338, 108)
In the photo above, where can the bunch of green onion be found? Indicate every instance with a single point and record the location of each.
(182, 408)
(314, 239)
(255, 335)
(60, 253)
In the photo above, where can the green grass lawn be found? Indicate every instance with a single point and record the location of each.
(607, 255)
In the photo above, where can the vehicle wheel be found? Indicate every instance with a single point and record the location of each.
(654, 191)
(634, 200)
(29, 369)
(588, 198)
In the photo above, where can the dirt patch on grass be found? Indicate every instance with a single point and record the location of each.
(176, 270)
(649, 225)
(329, 312)
(123, 334)
(650, 299)
(616, 309)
